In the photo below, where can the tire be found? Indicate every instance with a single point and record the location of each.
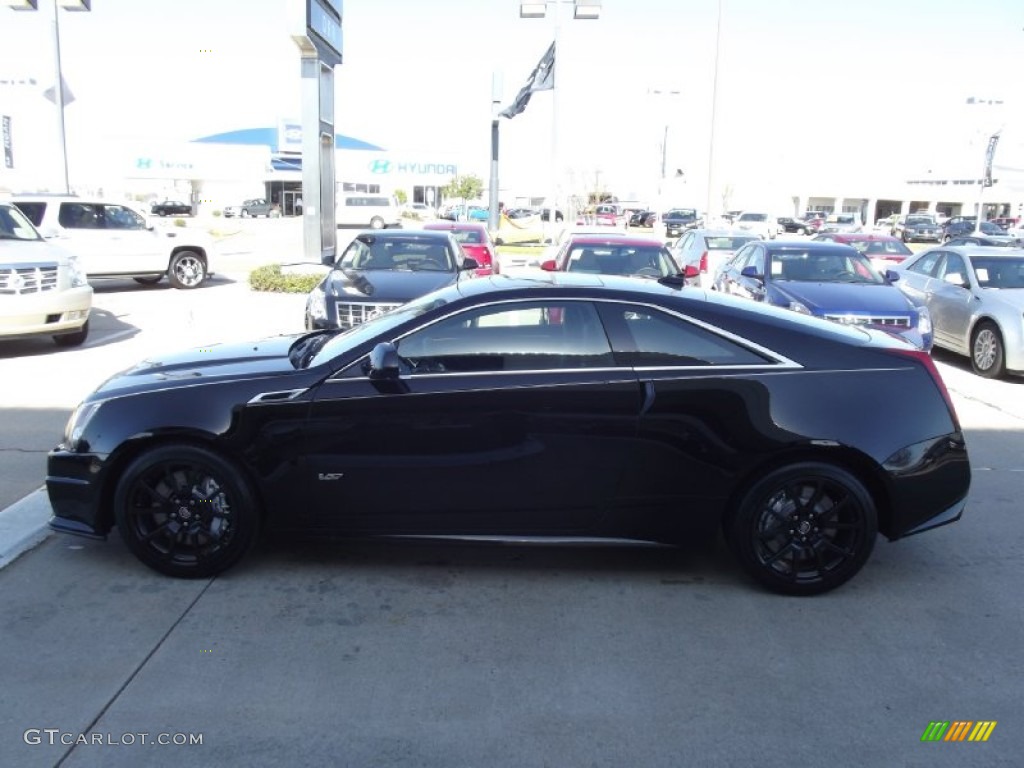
(376, 223)
(244, 214)
(149, 280)
(801, 231)
(804, 529)
(75, 339)
(987, 356)
(947, 238)
(187, 270)
(185, 511)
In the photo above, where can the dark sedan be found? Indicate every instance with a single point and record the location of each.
(554, 406)
(381, 270)
(827, 280)
(796, 226)
(678, 220)
(171, 208)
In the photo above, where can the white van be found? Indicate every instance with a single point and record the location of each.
(360, 209)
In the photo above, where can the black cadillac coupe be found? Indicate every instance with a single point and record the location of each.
(551, 406)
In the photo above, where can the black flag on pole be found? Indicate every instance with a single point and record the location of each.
(541, 79)
(989, 155)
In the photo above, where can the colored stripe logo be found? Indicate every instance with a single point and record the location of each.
(958, 730)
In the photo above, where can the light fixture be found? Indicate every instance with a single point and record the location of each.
(532, 10)
(587, 9)
(22, 5)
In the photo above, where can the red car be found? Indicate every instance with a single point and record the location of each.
(629, 255)
(475, 241)
(885, 252)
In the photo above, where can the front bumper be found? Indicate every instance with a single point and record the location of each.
(44, 313)
(73, 483)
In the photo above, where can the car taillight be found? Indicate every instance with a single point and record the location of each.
(704, 262)
(926, 360)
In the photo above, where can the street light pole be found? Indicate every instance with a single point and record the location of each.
(59, 98)
(714, 113)
(58, 89)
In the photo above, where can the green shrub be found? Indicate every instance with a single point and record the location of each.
(217, 214)
(180, 223)
(269, 278)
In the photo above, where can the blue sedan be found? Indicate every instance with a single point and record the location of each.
(827, 280)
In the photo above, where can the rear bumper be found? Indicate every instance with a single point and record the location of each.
(929, 485)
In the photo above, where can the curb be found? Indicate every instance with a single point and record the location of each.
(23, 526)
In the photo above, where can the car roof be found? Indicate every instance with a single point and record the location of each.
(854, 237)
(453, 225)
(997, 251)
(402, 234)
(810, 246)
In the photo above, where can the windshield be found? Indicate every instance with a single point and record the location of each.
(999, 272)
(840, 218)
(372, 253)
(925, 220)
(628, 260)
(381, 324)
(754, 217)
(991, 229)
(814, 267)
(15, 226)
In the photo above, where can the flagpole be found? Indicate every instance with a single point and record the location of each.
(553, 203)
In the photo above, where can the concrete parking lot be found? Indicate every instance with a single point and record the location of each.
(431, 654)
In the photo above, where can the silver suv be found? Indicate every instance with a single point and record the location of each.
(114, 240)
(43, 290)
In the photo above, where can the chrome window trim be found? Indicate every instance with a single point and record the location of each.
(781, 361)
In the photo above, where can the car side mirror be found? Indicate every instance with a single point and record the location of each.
(892, 275)
(752, 273)
(470, 263)
(549, 266)
(955, 278)
(384, 362)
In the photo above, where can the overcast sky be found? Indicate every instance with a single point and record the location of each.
(826, 88)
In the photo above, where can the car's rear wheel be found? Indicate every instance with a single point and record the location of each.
(377, 223)
(186, 511)
(804, 529)
(148, 280)
(187, 270)
(75, 339)
(987, 356)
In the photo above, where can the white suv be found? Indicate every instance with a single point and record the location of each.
(764, 225)
(43, 291)
(113, 240)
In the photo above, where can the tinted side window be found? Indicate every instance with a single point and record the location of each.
(119, 217)
(34, 211)
(80, 216)
(926, 265)
(531, 336)
(649, 337)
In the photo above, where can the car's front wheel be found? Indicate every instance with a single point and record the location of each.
(187, 270)
(75, 339)
(987, 356)
(186, 511)
(377, 223)
(804, 529)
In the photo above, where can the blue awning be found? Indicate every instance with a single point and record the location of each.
(268, 137)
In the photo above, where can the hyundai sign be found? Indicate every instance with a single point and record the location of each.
(323, 19)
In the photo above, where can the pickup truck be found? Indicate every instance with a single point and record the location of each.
(171, 208)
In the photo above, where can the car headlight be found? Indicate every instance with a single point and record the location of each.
(924, 320)
(78, 277)
(76, 425)
(797, 306)
(317, 304)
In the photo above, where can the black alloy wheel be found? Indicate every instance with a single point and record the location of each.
(185, 511)
(804, 529)
(987, 356)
